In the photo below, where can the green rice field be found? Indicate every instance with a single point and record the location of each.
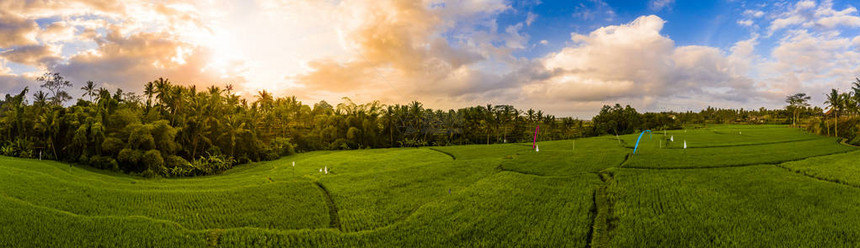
(732, 186)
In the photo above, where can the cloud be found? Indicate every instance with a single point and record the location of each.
(530, 18)
(753, 13)
(807, 61)
(397, 46)
(589, 10)
(45, 9)
(129, 62)
(634, 63)
(16, 30)
(11, 82)
(103, 42)
(57, 32)
(657, 5)
(444, 53)
(806, 15)
(856, 42)
(34, 55)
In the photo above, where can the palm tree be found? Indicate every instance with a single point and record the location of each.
(40, 99)
(149, 90)
(834, 101)
(234, 129)
(415, 113)
(89, 90)
(845, 102)
(162, 93)
(855, 87)
(264, 100)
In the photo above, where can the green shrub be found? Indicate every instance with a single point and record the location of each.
(129, 157)
(112, 146)
(103, 162)
(152, 160)
(83, 159)
(149, 173)
(26, 154)
(8, 150)
(176, 161)
(177, 166)
(283, 147)
(211, 164)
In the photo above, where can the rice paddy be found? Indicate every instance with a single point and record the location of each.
(738, 186)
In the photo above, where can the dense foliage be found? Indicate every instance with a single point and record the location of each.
(842, 120)
(176, 130)
(179, 130)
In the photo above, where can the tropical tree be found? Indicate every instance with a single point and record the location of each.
(148, 91)
(55, 84)
(855, 88)
(89, 90)
(795, 103)
(834, 101)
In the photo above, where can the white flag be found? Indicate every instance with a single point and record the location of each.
(537, 149)
(294, 163)
(685, 144)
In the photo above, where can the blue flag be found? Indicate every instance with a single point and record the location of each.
(637, 140)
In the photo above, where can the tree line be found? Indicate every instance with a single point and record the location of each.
(842, 119)
(175, 130)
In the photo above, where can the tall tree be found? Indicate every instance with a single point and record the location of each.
(795, 103)
(89, 90)
(148, 91)
(855, 88)
(834, 101)
(55, 84)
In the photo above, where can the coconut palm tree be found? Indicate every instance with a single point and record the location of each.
(855, 88)
(149, 90)
(834, 101)
(89, 90)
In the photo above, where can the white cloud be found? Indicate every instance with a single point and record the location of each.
(16, 30)
(753, 13)
(658, 5)
(805, 61)
(33, 55)
(57, 32)
(530, 18)
(634, 63)
(444, 53)
(594, 9)
(806, 14)
(856, 42)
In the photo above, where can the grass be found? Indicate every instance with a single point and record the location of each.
(841, 168)
(494, 212)
(733, 186)
(767, 153)
(756, 206)
(567, 157)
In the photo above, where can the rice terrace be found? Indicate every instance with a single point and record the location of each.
(429, 123)
(735, 185)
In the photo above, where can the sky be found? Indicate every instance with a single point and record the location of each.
(567, 58)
